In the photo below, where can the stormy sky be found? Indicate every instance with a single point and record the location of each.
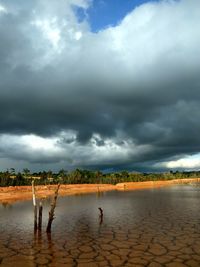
(80, 92)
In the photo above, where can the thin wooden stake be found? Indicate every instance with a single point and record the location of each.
(51, 212)
(34, 206)
(40, 217)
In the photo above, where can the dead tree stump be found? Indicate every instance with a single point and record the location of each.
(51, 212)
(34, 206)
(40, 217)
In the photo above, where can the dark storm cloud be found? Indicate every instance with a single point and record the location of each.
(130, 94)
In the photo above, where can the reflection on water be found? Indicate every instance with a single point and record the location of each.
(6, 205)
(138, 228)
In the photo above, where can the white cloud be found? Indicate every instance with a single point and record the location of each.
(29, 142)
(78, 35)
(98, 83)
(2, 9)
(38, 143)
(64, 149)
(49, 30)
(186, 163)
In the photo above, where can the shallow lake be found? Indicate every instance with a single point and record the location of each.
(153, 227)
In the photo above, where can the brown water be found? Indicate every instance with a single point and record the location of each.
(154, 227)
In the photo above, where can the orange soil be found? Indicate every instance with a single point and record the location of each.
(153, 184)
(15, 193)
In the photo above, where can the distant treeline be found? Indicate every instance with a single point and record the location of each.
(11, 178)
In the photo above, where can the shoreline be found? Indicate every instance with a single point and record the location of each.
(20, 193)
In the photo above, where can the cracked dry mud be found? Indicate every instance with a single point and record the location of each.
(148, 228)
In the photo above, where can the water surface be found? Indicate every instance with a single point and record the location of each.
(153, 227)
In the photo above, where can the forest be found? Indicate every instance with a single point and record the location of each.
(78, 176)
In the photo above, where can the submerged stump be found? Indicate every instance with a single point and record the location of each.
(40, 217)
(101, 215)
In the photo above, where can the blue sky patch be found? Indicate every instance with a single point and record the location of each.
(104, 13)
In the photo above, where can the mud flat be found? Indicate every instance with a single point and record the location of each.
(141, 228)
(15, 193)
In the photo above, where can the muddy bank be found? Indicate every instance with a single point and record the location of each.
(11, 194)
(15, 193)
(152, 184)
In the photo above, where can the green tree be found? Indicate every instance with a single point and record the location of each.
(26, 172)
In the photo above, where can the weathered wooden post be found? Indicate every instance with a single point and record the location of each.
(34, 206)
(51, 212)
(40, 217)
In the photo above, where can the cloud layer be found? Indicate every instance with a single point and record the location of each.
(125, 97)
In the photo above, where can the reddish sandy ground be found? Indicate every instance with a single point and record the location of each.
(15, 193)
